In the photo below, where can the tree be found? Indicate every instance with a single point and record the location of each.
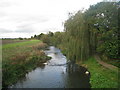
(40, 35)
(20, 38)
(35, 36)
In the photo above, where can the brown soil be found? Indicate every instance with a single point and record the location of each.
(11, 41)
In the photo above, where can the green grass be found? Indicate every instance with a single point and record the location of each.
(20, 58)
(11, 49)
(100, 76)
(13, 45)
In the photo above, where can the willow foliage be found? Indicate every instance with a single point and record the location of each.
(94, 31)
(77, 37)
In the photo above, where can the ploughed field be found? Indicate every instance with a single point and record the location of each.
(12, 41)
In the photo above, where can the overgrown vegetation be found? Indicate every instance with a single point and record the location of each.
(86, 33)
(20, 58)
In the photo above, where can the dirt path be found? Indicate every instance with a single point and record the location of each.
(106, 65)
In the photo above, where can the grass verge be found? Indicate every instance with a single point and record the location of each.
(100, 76)
(20, 58)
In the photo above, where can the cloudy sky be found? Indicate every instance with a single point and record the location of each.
(24, 18)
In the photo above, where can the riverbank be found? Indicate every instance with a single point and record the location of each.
(20, 58)
(101, 77)
(56, 73)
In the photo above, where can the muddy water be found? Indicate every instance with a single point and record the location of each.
(55, 74)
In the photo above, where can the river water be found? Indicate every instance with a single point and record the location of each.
(55, 74)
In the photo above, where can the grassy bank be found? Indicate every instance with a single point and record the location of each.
(100, 76)
(20, 58)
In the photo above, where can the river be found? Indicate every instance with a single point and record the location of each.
(55, 74)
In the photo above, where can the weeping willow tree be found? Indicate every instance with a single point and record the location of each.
(77, 40)
(94, 31)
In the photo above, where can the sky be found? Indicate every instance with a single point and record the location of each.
(25, 18)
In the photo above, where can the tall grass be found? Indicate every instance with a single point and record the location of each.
(20, 58)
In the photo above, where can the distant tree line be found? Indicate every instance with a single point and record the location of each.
(96, 30)
(20, 38)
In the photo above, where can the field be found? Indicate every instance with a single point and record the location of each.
(100, 76)
(11, 49)
(12, 41)
(20, 58)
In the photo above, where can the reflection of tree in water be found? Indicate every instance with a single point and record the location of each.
(71, 67)
(76, 73)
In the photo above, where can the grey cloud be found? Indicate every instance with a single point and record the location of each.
(33, 19)
(25, 29)
(38, 18)
(26, 25)
(2, 30)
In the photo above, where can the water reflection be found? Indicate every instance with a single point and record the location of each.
(76, 77)
(56, 74)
